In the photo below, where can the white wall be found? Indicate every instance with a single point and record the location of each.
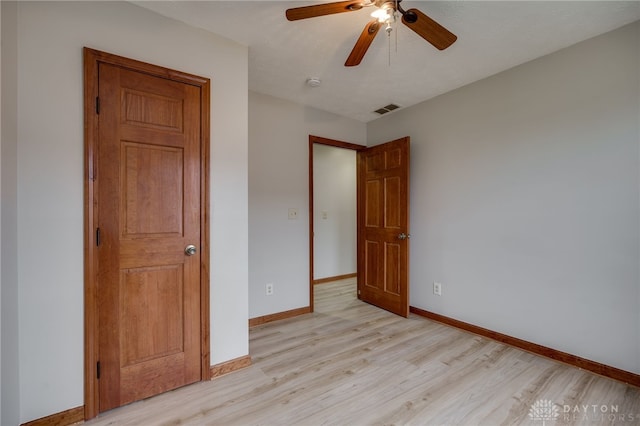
(9, 363)
(525, 200)
(278, 180)
(334, 215)
(0, 213)
(50, 37)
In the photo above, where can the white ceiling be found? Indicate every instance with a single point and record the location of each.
(492, 36)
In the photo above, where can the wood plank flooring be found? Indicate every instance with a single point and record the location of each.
(350, 363)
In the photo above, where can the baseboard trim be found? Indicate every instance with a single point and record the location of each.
(336, 278)
(63, 418)
(230, 366)
(278, 316)
(573, 360)
(76, 415)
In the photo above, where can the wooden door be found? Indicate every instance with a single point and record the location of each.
(148, 212)
(383, 226)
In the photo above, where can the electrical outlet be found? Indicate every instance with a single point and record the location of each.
(269, 289)
(437, 289)
(293, 214)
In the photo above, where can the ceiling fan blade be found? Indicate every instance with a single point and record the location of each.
(363, 43)
(428, 29)
(323, 9)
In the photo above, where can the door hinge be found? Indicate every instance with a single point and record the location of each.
(98, 369)
(97, 105)
(98, 241)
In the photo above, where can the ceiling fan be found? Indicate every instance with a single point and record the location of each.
(386, 11)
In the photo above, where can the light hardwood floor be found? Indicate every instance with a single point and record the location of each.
(350, 363)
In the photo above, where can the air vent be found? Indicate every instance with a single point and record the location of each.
(386, 109)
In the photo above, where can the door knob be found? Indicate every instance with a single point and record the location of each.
(190, 250)
(403, 236)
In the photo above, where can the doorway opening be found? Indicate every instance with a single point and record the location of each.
(332, 211)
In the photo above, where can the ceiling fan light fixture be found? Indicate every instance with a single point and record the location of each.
(382, 15)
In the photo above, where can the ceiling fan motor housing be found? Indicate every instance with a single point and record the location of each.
(408, 16)
(390, 3)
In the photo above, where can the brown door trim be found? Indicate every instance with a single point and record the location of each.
(330, 142)
(92, 58)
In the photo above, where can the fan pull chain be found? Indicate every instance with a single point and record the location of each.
(389, 32)
(390, 29)
(397, 29)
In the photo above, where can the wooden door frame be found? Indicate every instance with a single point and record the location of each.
(92, 59)
(338, 144)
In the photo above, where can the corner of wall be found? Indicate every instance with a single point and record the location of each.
(9, 349)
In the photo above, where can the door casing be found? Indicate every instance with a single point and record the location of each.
(360, 228)
(330, 142)
(92, 59)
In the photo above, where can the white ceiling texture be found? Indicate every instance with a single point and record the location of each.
(492, 36)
